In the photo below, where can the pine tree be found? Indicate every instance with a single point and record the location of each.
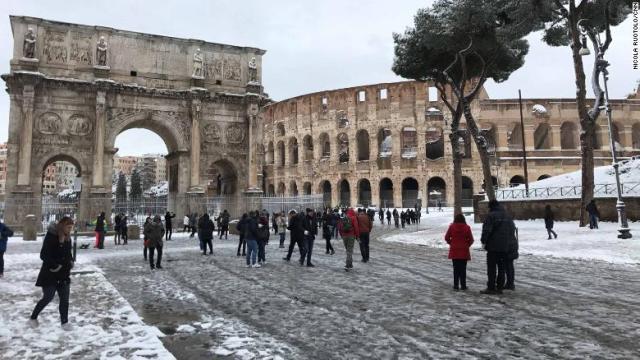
(121, 189)
(458, 45)
(136, 186)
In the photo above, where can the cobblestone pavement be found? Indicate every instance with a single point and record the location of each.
(399, 306)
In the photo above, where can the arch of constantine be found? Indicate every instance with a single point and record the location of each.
(74, 88)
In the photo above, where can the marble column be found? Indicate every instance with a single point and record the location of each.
(195, 143)
(26, 135)
(98, 150)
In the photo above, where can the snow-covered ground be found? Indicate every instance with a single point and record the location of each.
(572, 242)
(400, 305)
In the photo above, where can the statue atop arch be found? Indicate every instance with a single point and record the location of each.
(197, 64)
(101, 52)
(29, 44)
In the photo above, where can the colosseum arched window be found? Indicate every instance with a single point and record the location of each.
(281, 189)
(386, 193)
(306, 188)
(489, 134)
(568, 136)
(434, 143)
(635, 135)
(325, 145)
(385, 143)
(364, 192)
(542, 137)
(270, 153)
(281, 154)
(293, 150)
(409, 142)
(615, 131)
(514, 137)
(464, 142)
(343, 148)
(325, 190)
(362, 139)
(410, 192)
(293, 188)
(345, 192)
(467, 191)
(307, 144)
(436, 191)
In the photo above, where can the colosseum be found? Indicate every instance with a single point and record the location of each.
(386, 144)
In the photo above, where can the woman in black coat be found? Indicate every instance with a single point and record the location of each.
(205, 233)
(56, 267)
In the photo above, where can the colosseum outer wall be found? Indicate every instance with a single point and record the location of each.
(321, 138)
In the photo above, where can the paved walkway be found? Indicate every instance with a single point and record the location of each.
(398, 306)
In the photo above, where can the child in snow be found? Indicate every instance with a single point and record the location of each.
(548, 222)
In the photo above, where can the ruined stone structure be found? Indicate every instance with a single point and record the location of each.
(387, 144)
(74, 88)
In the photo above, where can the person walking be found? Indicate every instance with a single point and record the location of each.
(274, 222)
(439, 205)
(100, 229)
(124, 228)
(262, 236)
(364, 226)
(348, 227)
(251, 238)
(459, 237)
(310, 231)
(205, 233)
(145, 239)
(193, 224)
(241, 227)
(512, 255)
(296, 234)
(403, 218)
(281, 228)
(498, 231)
(395, 218)
(155, 233)
(224, 225)
(168, 224)
(327, 230)
(381, 216)
(594, 214)
(388, 217)
(54, 275)
(548, 222)
(116, 229)
(5, 234)
(185, 223)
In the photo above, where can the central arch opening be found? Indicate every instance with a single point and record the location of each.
(140, 179)
(61, 189)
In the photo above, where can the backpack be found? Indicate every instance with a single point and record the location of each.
(263, 233)
(347, 225)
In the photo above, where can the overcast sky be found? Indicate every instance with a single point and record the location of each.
(311, 45)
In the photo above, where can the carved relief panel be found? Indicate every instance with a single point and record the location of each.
(55, 47)
(49, 123)
(235, 134)
(232, 68)
(81, 49)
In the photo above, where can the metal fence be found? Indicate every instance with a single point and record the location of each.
(563, 192)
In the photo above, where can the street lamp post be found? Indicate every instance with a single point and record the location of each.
(602, 64)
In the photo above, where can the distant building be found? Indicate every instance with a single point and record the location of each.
(124, 164)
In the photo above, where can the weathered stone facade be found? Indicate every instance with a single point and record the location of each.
(337, 143)
(74, 88)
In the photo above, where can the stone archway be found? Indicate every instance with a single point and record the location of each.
(198, 124)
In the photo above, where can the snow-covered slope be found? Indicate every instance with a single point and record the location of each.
(604, 180)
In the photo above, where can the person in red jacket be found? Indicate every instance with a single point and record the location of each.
(459, 238)
(349, 230)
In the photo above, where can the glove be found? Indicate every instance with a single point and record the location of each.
(56, 269)
(306, 232)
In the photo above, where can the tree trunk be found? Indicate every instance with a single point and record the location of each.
(482, 150)
(586, 135)
(457, 173)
